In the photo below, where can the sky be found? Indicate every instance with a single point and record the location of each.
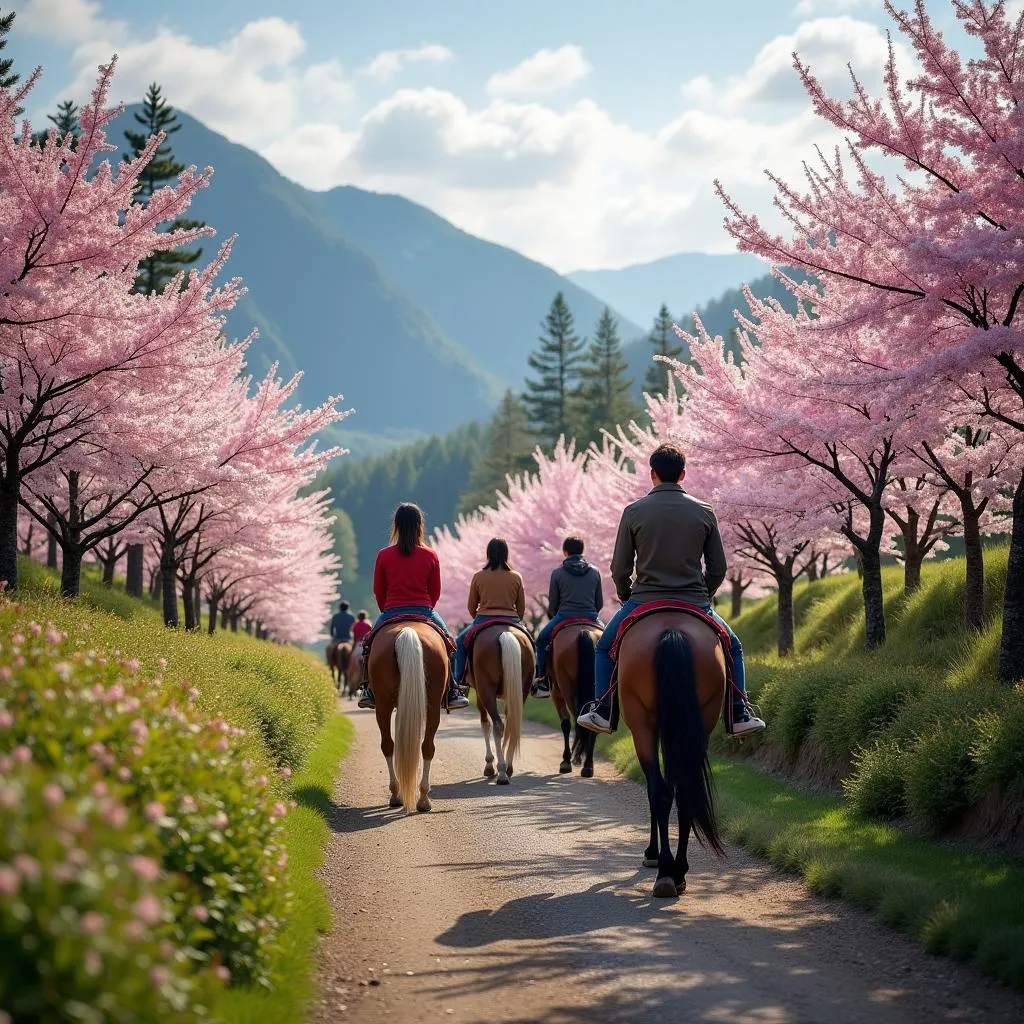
(583, 133)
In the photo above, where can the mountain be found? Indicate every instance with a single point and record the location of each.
(486, 297)
(682, 281)
(321, 303)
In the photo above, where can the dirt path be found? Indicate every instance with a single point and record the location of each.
(527, 903)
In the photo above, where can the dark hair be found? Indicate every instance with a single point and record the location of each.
(361, 616)
(407, 529)
(344, 606)
(668, 463)
(573, 545)
(497, 554)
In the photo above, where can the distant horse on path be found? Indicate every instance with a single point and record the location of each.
(339, 655)
(572, 677)
(671, 685)
(501, 666)
(408, 672)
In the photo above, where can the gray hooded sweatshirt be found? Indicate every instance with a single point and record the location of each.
(575, 589)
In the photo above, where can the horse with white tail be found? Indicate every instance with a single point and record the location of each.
(408, 669)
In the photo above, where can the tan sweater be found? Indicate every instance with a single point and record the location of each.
(497, 592)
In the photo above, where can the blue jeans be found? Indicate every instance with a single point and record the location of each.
(413, 609)
(604, 664)
(460, 646)
(545, 633)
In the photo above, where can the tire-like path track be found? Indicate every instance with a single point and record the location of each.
(527, 903)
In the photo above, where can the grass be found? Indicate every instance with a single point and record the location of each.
(284, 698)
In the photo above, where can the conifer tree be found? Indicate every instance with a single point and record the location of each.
(9, 78)
(665, 343)
(605, 389)
(551, 398)
(158, 116)
(509, 450)
(65, 121)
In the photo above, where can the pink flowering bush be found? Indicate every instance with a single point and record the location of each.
(178, 830)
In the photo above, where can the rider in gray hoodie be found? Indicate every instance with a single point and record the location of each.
(574, 593)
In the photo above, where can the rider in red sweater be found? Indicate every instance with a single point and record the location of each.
(407, 581)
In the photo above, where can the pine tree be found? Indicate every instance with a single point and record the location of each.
(605, 389)
(65, 121)
(158, 116)
(509, 450)
(9, 78)
(550, 400)
(665, 343)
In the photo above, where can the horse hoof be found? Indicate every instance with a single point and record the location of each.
(650, 862)
(681, 887)
(564, 768)
(490, 771)
(508, 771)
(587, 772)
(423, 805)
(395, 801)
(502, 780)
(665, 888)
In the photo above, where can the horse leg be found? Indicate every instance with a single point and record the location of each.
(498, 728)
(682, 864)
(660, 797)
(566, 765)
(387, 747)
(589, 741)
(423, 804)
(485, 728)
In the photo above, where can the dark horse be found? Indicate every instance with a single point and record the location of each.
(672, 701)
(572, 676)
(338, 657)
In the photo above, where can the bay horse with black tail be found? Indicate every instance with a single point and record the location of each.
(501, 665)
(671, 686)
(572, 677)
(408, 670)
(339, 656)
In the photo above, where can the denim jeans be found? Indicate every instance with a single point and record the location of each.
(604, 664)
(413, 609)
(460, 645)
(545, 633)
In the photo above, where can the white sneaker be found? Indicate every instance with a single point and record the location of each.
(594, 720)
(745, 724)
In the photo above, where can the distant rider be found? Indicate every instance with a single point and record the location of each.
(667, 534)
(573, 593)
(341, 624)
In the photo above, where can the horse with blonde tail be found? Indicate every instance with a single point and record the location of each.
(408, 670)
(501, 666)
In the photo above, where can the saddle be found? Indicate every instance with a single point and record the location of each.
(449, 643)
(496, 620)
(656, 607)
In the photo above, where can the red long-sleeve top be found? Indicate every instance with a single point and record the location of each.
(400, 580)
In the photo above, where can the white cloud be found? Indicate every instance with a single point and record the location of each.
(390, 62)
(546, 71)
(64, 21)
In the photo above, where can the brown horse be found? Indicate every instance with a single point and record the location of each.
(408, 672)
(501, 666)
(338, 658)
(672, 698)
(572, 676)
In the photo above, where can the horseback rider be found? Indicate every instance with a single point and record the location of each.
(342, 623)
(666, 534)
(496, 591)
(407, 581)
(573, 593)
(361, 627)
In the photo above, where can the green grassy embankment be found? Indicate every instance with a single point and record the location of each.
(284, 701)
(891, 754)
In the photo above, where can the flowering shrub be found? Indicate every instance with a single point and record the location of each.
(174, 835)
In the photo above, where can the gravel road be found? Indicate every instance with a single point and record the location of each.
(527, 903)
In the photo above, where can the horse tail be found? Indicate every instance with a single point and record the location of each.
(344, 654)
(411, 716)
(684, 744)
(584, 684)
(512, 679)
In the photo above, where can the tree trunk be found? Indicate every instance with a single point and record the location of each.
(193, 605)
(70, 571)
(9, 532)
(155, 583)
(135, 570)
(168, 579)
(224, 618)
(812, 569)
(27, 549)
(1011, 650)
(871, 588)
(109, 568)
(974, 588)
(737, 597)
(234, 623)
(786, 625)
(858, 561)
(214, 601)
(248, 626)
(51, 542)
